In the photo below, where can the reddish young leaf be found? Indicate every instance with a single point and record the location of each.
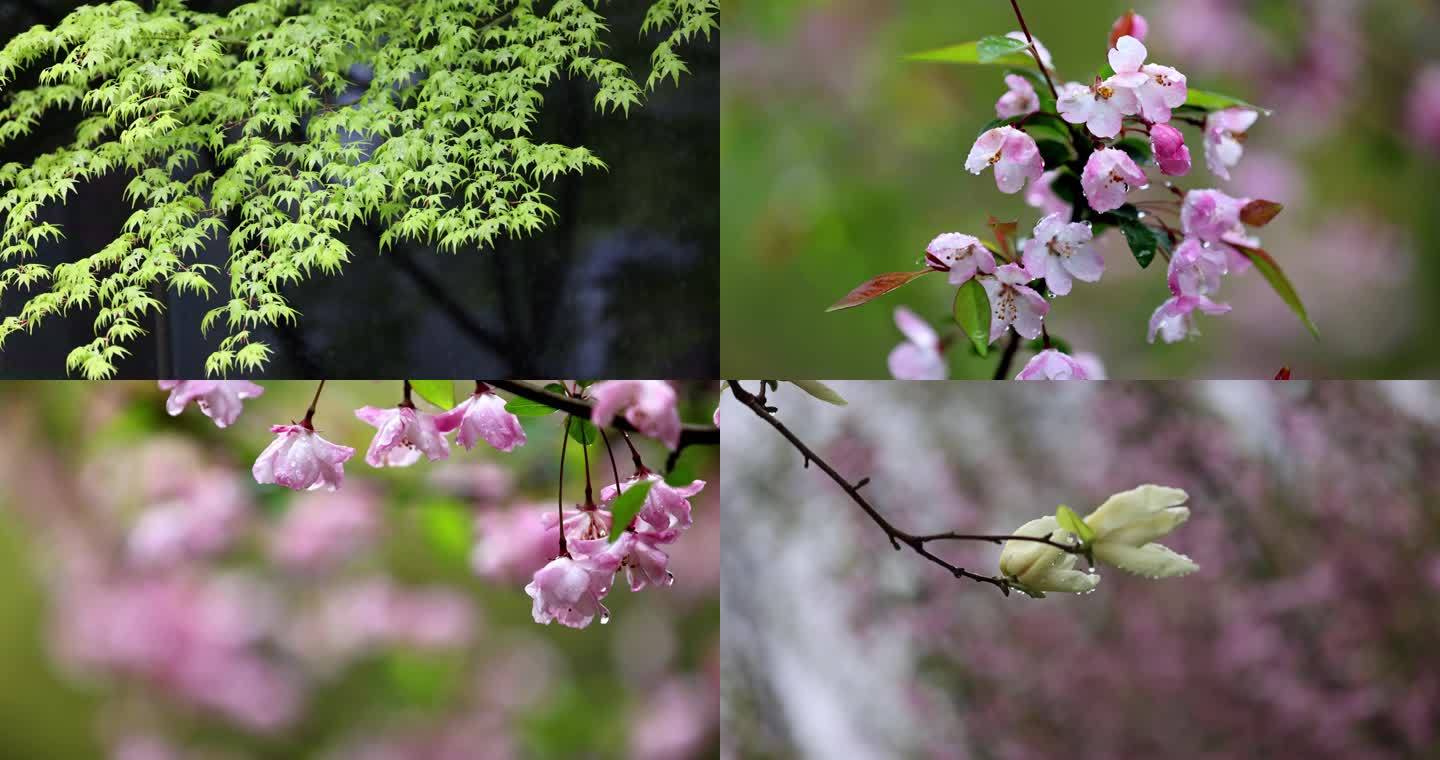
(1283, 374)
(1125, 25)
(1004, 233)
(1259, 213)
(875, 287)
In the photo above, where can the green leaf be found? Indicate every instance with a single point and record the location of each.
(583, 432)
(1070, 521)
(969, 52)
(820, 390)
(441, 393)
(994, 47)
(972, 313)
(683, 474)
(524, 407)
(1273, 274)
(1204, 100)
(624, 508)
(1144, 240)
(875, 287)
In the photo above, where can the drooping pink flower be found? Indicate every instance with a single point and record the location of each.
(920, 357)
(220, 400)
(1100, 107)
(1225, 138)
(320, 530)
(1171, 152)
(649, 405)
(1212, 216)
(1061, 250)
(1196, 269)
(1130, 23)
(1052, 364)
(483, 416)
(1014, 302)
(1014, 155)
(582, 522)
(1094, 368)
(1157, 88)
(1019, 100)
(402, 434)
(569, 589)
(299, 458)
(1109, 175)
(1174, 320)
(959, 254)
(1041, 194)
(645, 563)
(666, 507)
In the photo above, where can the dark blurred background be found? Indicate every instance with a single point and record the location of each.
(842, 161)
(624, 283)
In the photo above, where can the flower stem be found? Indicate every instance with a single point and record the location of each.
(1002, 370)
(613, 468)
(310, 413)
(560, 492)
(1034, 51)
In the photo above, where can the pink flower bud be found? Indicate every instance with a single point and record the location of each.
(1170, 150)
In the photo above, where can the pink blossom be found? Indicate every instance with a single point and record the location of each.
(483, 415)
(1171, 152)
(1130, 23)
(1061, 250)
(649, 405)
(1109, 175)
(1052, 364)
(1157, 88)
(1094, 368)
(1196, 269)
(1212, 216)
(1013, 302)
(569, 589)
(320, 530)
(666, 506)
(220, 400)
(960, 255)
(204, 520)
(402, 435)
(1225, 138)
(1041, 194)
(1101, 107)
(511, 544)
(1019, 100)
(299, 458)
(646, 564)
(1174, 320)
(582, 523)
(920, 357)
(1014, 155)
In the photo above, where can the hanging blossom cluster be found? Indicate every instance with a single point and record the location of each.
(1080, 151)
(1121, 532)
(587, 545)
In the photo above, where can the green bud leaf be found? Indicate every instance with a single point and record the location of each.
(626, 506)
(972, 313)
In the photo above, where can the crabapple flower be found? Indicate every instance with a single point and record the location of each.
(1014, 302)
(1101, 107)
(299, 458)
(1170, 150)
(1061, 250)
(666, 506)
(1130, 23)
(401, 436)
(1019, 100)
(646, 564)
(582, 523)
(1129, 522)
(649, 405)
(1174, 320)
(1037, 568)
(959, 254)
(483, 416)
(1109, 174)
(919, 357)
(1041, 194)
(1052, 364)
(1211, 215)
(1196, 269)
(220, 400)
(1225, 138)
(1157, 88)
(1044, 54)
(1014, 155)
(569, 589)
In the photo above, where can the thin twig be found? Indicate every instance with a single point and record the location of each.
(690, 435)
(1002, 370)
(897, 537)
(1034, 51)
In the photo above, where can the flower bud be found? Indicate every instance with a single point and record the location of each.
(1170, 150)
(1037, 567)
(1128, 523)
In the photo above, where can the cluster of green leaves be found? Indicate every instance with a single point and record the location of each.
(1065, 148)
(236, 124)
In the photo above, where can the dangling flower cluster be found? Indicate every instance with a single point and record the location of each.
(1095, 140)
(570, 589)
(1121, 532)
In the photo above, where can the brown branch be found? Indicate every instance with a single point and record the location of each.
(690, 435)
(897, 537)
(1034, 51)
